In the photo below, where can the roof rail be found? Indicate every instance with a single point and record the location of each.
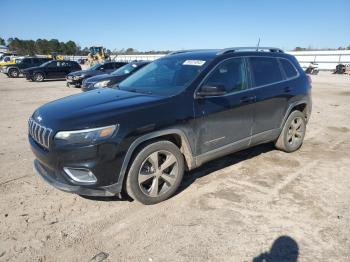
(188, 50)
(257, 49)
(180, 51)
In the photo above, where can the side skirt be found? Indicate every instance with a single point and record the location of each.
(261, 138)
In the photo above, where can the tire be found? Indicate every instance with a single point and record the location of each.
(13, 73)
(293, 133)
(38, 77)
(149, 181)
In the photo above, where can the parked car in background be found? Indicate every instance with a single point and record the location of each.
(16, 69)
(175, 114)
(55, 69)
(9, 60)
(76, 78)
(107, 80)
(5, 59)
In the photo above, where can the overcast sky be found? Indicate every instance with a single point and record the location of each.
(181, 24)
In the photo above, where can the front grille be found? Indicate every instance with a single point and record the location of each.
(42, 135)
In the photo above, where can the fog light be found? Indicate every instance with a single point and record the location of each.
(80, 175)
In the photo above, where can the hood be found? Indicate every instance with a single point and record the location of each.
(86, 73)
(92, 109)
(99, 78)
(31, 68)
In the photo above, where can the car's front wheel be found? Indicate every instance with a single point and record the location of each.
(38, 77)
(13, 73)
(293, 132)
(155, 173)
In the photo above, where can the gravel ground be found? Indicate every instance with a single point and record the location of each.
(256, 204)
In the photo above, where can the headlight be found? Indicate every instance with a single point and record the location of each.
(78, 77)
(86, 136)
(102, 83)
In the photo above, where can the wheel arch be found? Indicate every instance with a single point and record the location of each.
(8, 69)
(177, 136)
(303, 106)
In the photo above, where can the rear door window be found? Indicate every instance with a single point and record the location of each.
(288, 68)
(265, 70)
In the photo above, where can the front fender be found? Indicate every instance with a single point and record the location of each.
(185, 148)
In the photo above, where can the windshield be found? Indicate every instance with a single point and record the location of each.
(124, 70)
(95, 67)
(166, 76)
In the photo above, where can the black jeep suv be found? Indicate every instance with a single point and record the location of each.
(175, 114)
(55, 69)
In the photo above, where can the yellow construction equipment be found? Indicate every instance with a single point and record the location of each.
(7, 62)
(97, 55)
(55, 56)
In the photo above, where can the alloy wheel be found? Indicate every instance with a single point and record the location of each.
(158, 173)
(296, 132)
(14, 73)
(39, 77)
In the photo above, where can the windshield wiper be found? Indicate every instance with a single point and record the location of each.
(134, 90)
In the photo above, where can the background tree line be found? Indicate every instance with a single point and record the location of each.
(46, 47)
(43, 47)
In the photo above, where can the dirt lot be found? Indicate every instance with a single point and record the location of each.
(232, 209)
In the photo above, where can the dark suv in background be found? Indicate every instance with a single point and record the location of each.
(55, 69)
(76, 78)
(174, 114)
(16, 69)
(107, 80)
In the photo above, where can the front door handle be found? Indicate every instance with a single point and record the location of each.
(247, 99)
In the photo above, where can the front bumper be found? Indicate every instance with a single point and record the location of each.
(104, 161)
(87, 86)
(74, 82)
(27, 76)
(50, 177)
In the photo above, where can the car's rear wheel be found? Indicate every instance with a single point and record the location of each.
(293, 132)
(38, 77)
(155, 173)
(13, 73)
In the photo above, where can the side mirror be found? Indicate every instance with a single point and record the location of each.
(102, 69)
(211, 90)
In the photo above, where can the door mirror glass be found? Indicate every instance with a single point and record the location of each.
(211, 90)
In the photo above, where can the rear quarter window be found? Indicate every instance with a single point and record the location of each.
(265, 70)
(288, 68)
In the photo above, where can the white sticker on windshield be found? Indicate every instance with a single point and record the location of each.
(194, 62)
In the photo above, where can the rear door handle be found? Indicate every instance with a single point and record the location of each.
(247, 99)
